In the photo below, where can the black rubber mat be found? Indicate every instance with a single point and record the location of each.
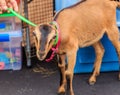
(43, 79)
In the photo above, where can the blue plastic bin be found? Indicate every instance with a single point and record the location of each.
(60, 4)
(86, 56)
(118, 17)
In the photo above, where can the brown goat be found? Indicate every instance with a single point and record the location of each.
(81, 25)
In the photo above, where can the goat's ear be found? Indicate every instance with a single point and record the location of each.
(52, 25)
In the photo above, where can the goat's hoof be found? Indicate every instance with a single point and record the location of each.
(61, 91)
(92, 81)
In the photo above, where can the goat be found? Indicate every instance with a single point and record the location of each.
(80, 25)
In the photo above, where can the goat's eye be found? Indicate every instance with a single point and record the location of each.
(35, 37)
(34, 34)
(54, 37)
(50, 41)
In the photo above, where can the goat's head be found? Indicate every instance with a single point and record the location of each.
(45, 36)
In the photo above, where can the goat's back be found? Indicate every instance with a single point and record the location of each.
(87, 21)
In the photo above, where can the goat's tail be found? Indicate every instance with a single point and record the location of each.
(117, 3)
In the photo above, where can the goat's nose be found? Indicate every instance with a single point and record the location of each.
(42, 54)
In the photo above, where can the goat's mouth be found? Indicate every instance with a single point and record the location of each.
(41, 56)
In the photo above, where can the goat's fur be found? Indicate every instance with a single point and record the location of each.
(81, 25)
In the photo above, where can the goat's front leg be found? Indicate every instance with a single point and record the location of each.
(61, 65)
(70, 70)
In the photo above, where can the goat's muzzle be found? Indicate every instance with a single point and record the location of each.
(41, 55)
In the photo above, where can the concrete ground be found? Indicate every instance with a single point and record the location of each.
(43, 79)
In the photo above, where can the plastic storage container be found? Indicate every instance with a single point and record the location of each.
(10, 50)
(86, 56)
(10, 42)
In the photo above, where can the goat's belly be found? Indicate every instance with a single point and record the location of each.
(89, 42)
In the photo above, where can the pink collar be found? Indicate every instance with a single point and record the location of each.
(55, 49)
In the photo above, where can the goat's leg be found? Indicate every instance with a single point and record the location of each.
(61, 65)
(99, 50)
(70, 70)
(113, 35)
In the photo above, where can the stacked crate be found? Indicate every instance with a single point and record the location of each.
(10, 42)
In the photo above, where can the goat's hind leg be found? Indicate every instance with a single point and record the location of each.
(113, 35)
(61, 65)
(99, 50)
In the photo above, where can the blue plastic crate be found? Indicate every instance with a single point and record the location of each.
(60, 4)
(86, 56)
(118, 16)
